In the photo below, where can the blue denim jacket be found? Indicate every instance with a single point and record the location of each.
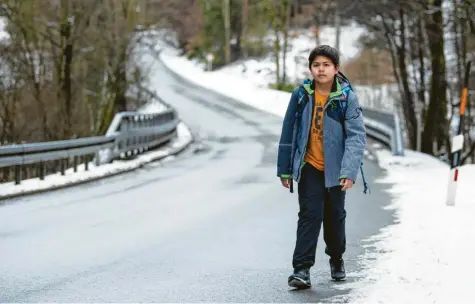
(344, 134)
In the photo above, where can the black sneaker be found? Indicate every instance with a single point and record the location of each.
(300, 279)
(337, 268)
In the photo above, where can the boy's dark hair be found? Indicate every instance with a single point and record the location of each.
(324, 50)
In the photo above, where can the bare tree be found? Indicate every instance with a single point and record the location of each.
(69, 60)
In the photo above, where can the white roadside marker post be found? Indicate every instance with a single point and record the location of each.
(209, 59)
(457, 144)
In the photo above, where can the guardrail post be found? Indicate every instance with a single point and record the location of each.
(17, 174)
(98, 159)
(41, 171)
(86, 162)
(143, 124)
(127, 126)
(136, 125)
(63, 166)
(75, 164)
(398, 140)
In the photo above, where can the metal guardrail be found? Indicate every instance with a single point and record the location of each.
(136, 133)
(129, 134)
(385, 128)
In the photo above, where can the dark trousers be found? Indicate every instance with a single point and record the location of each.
(318, 204)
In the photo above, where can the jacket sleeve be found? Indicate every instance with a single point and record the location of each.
(355, 142)
(284, 162)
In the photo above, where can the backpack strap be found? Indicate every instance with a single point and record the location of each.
(344, 103)
(303, 99)
(346, 93)
(365, 184)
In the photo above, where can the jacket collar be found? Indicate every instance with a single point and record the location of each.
(336, 90)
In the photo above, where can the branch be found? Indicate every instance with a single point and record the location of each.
(469, 153)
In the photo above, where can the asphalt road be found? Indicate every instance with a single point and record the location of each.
(212, 225)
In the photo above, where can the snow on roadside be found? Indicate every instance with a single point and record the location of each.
(425, 257)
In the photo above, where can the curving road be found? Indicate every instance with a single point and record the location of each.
(212, 225)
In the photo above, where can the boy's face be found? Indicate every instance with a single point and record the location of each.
(323, 70)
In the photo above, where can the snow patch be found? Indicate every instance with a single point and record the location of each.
(424, 258)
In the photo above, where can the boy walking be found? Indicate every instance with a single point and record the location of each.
(321, 147)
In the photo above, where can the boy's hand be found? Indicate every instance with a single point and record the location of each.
(285, 182)
(346, 184)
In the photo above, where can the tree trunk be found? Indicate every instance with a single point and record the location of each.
(287, 10)
(399, 57)
(436, 127)
(337, 27)
(65, 71)
(277, 58)
(422, 68)
(408, 105)
(121, 86)
(245, 16)
(227, 32)
(458, 24)
(67, 86)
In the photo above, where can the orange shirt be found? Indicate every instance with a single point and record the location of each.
(314, 154)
